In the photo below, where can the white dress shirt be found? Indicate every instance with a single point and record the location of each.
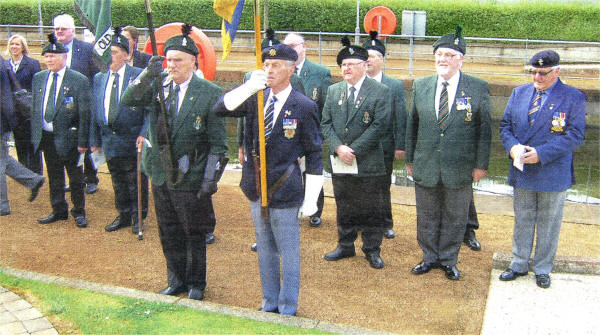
(61, 74)
(108, 90)
(451, 88)
(281, 99)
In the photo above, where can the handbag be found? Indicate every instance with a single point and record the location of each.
(21, 98)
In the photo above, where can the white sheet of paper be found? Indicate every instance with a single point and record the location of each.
(81, 159)
(517, 162)
(338, 165)
(98, 159)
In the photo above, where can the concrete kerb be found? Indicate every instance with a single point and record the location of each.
(562, 264)
(206, 306)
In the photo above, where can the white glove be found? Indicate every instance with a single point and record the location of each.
(312, 188)
(235, 97)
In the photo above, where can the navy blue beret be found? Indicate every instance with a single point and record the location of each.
(546, 58)
(279, 51)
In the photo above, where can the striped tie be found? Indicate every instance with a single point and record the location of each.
(443, 111)
(269, 117)
(536, 104)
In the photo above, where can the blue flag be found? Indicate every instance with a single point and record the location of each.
(231, 12)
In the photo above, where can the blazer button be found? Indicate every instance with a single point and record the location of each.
(441, 135)
(346, 130)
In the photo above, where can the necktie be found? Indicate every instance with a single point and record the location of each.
(173, 103)
(350, 101)
(49, 114)
(535, 106)
(114, 99)
(443, 112)
(269, 116)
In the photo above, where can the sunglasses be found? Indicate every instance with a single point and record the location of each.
(541, 73)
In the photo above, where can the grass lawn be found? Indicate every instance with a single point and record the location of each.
(75, 311)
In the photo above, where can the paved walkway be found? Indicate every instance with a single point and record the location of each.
(17, 316)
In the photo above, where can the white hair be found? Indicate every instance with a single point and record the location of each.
(64, 20)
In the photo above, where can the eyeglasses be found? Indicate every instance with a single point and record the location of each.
(351, 65)
(61, 28)
(445, 54)
(541, 73)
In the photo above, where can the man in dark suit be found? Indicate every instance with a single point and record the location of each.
(114, 130)
(136, 58)
(544, 122)
(80, 59)
(291, 131)
(316, 79)
(60, 127)
(393, 141)
(448, 138)
(355, 117)
(183, 170)
(8, 165)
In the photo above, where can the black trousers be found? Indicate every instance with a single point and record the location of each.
(123, 172)
(386, 183)
(91, 175)
(30, 159)
(473, 221)
(56, 166)
(359, 201)
(441, 221)
(183, 221)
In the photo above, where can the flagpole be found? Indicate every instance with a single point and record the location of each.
(264, 210)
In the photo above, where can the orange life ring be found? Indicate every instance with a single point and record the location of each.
(207, 58)
(388, 20)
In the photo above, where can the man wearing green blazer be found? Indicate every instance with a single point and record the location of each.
(393, 141)
(316, 79)
(60, 127)
(198, 146)
(448, 137)
(355, 117)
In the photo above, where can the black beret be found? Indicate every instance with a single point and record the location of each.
(374, 44)
(546, 58)
(119, 40)
(452, 41)
(351, 51)
(270, 40)
(54, 46)
(279, 51)
(183, 42)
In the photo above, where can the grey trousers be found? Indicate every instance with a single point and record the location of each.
(542, 211)
(12, 168)
(278, 240)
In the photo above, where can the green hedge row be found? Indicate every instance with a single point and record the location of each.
(533, 19)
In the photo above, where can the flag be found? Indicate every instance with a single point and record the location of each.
(95, 15)
(231, 12)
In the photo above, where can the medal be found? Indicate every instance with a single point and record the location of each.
(341, 99)
(315, 94)
(558, 122)
(289, 128)
(469, 113)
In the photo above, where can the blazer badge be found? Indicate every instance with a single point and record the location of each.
(198, 122)
(558, 122)
(315, 94)
(289, 128)
(465, 104)
(69, 103)
(366, 118)
(342, 98)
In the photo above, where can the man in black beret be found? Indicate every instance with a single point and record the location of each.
(544, 122)
(355, 117)
(393, 141)
(291, 131)
(448, 138)
(114, 129)
(60, 127)
(182, 183)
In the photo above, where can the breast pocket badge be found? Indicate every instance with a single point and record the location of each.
(289, 128)
(198, 122)
(366, 118)
(69, 103)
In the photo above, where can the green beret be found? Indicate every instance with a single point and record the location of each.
(351, 51)
(54, 46)
(270, 40)
(119, 40)
(452, 41)
(182, 42)
(374, 44)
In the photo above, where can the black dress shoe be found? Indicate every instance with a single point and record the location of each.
(210, 238)
(339, 253)
(276, 310)
(53, 218)
(452, 272)
(195, 293)
(36, 190)
(543, 280)
(81, 222)
(173, 290)
(119, 222)
(4, 213)
(510, 274)
(423, 267)
(389, 233)
(91, 188)
(374, 260)
(253, 247)
(315, 221)
(471, 241)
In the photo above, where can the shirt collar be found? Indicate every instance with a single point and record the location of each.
(378, 76)
(300, 66)
(453, 81)
(120, 71)
(60, 72)
(283, 95)
(68, 45)
(183, 86)
(358, 84)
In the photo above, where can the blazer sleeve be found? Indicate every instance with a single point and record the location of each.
(485, 130)
(412, 128)
(329, 135)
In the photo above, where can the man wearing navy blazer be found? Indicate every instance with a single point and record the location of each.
(393, 141)
(114, 129)
(448, 139)
(291, 131)
(80, 59)
(136, 58)
(60, 127)
(544, 122)
(315, 79)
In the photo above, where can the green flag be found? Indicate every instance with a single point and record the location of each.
(95, 15)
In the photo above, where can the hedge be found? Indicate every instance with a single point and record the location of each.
(534, 19)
